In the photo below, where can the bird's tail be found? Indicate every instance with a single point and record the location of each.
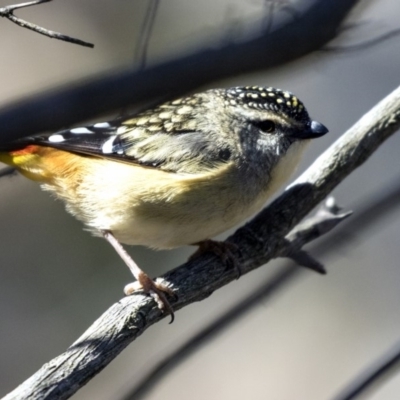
(25, 159)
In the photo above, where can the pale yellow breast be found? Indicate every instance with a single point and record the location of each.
(158, 209)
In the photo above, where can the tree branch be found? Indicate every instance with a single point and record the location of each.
(107, 94)
(8, 12)
(375, 376)
(326, 218)
(386, 203)
(259, 241)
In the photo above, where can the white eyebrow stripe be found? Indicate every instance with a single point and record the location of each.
(107, 147)
(81, 130)
(56, 138)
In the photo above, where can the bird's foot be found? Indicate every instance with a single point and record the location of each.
(157, 289)
(224, 250)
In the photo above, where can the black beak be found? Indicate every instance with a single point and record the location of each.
(317, 129)
(313, 130)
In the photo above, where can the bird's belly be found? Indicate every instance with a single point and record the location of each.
(186, 215)
(158, 209)
(182, 226)
(202, 207)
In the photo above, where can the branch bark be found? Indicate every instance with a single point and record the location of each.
(8, 12)
(259, 241)
(108, 94)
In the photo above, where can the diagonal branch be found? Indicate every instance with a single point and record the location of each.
(8, 12)
(259, 241)
(375, 376)
(326, 218)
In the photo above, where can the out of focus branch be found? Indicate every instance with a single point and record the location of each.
(364, 45)
(289, 41)
(8, 171)
(374, 377)
(8, 12)
(142, 45)
(196, 280)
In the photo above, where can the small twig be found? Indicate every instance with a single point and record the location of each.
(8, 171)
(364, 45)
(142, 46)
(374, 376)
(325, 219)
(274, 6)
(270, 5)
(8, 12)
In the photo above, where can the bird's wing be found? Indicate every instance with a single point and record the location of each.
(167, 138)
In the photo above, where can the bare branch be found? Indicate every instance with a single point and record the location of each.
(8, 171)
(145, 33)
(196, 280)
(306, 231)
(324, 220)
(364, 45)
(8, 12)
(373, 377)
(111, 93)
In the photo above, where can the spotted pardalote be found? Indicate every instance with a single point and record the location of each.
(174, 175)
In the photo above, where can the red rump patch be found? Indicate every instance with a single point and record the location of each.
(31, 149)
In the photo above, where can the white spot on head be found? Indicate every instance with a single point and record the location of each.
(102, 125)
(56, 138)
(81, 130)
(107, 147)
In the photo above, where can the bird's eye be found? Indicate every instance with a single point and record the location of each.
(266, 126)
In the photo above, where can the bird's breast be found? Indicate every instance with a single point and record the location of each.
(159, 209)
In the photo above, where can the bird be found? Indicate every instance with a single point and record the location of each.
(177, 174)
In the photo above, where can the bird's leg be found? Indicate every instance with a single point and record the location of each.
(224, 250)
(156, 289)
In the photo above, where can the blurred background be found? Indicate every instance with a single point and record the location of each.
(307, 342)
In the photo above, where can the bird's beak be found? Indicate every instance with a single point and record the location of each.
(314, 130)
